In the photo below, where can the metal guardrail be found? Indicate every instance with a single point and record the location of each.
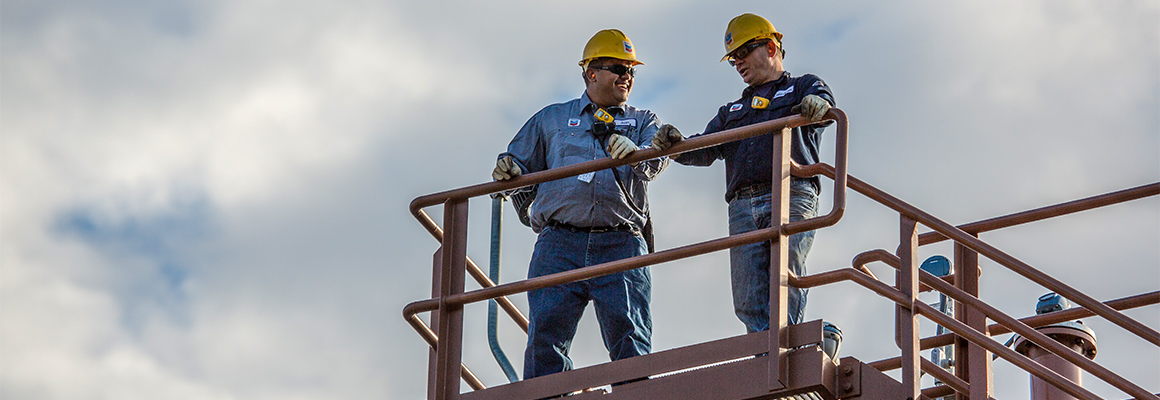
(973, 380)
(448, 295)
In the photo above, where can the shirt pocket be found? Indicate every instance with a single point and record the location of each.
(735, 119)
(571, 145)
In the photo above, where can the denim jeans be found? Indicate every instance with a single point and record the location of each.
(750, 263)
(621, 299)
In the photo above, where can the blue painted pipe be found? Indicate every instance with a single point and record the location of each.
(492, 306)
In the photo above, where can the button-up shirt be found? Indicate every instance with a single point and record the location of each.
(560, 135)
(749, 161)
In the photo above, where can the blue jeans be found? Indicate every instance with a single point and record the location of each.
(621, 299)
(750, 263)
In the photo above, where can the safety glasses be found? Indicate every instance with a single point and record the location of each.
(617, 69)
(744, 51)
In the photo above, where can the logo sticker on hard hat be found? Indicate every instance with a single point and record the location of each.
(735, 107)
(760, 103)
(627, 47)
(728, 38)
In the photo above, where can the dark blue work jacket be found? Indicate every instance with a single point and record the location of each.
(748, 162)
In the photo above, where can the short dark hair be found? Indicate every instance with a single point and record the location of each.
(595, 62)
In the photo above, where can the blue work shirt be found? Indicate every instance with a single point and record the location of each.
(561, 135)
(749, 162)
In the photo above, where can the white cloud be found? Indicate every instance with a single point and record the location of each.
(207, 200)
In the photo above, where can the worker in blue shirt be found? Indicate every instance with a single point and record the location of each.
(753, 47)
(592, 218)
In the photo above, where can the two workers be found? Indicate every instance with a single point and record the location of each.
(604, 216)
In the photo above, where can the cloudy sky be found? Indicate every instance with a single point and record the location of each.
(208, 199)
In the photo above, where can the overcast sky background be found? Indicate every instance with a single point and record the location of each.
(208, 199)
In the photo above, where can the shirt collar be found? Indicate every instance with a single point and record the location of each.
(765, 88)
(588, 107)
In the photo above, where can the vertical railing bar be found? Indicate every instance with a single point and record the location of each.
(449, 357)
(907, 316)
(779, 261)
(974, 364)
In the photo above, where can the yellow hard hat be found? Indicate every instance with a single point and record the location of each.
(746, 27)
(609, 43)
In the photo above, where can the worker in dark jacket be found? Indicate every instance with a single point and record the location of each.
(753, 47)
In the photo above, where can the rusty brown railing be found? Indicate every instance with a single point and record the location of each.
(969, 323)
(448, 297)
(968, 242)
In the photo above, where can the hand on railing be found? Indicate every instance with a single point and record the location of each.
(506, 168)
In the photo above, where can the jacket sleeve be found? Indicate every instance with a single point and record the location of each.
(706, 156)
(816, 86)
(527, 147)
(649, 169)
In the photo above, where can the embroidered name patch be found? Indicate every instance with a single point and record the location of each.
(783, 92)
(626, 122)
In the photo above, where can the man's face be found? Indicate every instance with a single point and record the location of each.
(760, 65)
(606, 88)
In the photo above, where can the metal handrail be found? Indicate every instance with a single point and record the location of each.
(963, 238)
(862, 276)
(1000, 257)
(498, 291)
(492, 291)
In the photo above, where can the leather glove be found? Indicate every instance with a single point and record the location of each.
(506, 168)
(666, 137)
(814, 107)
(620, 147)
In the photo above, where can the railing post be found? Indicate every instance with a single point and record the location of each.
(973, 362)
(436, 284)
(448, 320)
(907, 316)
(779, 261)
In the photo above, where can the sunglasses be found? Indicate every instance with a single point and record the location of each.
(744, 51)
(617, 69)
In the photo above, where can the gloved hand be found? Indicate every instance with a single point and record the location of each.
(666, 137)
(620, 147)
(506, 168)
(814, 107)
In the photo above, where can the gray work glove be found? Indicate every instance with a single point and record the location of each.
(619, 146)
(666, 137)
(814, 107)
(505, 168)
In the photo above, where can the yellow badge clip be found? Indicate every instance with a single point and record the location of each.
(602, 115)
(760, 103)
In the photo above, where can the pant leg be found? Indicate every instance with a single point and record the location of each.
(803, 204)
(749, 264)
(622, 299)
(554, 312)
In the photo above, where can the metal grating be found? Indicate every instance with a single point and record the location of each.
(803, 396)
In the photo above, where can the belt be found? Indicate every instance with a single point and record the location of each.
(750, 191)
(760, 189)
(593, 229)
